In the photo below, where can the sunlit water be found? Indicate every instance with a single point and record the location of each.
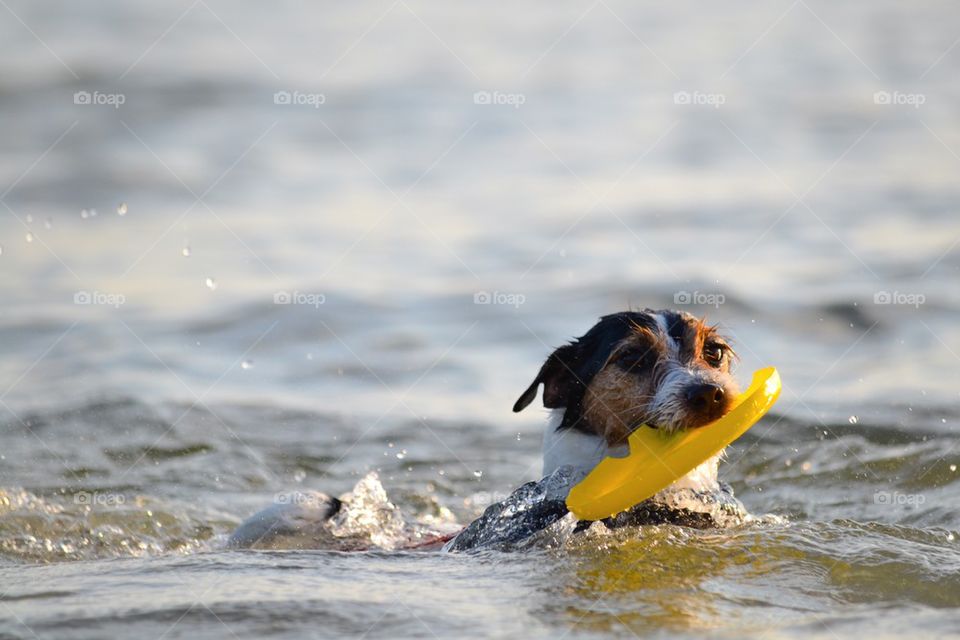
(210, 300)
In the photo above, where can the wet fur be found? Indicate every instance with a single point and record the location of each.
(636, 368)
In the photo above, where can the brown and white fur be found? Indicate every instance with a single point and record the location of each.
(666, 369)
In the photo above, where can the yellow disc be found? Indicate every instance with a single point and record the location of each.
(657, 460)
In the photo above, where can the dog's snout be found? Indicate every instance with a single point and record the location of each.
(707, 399)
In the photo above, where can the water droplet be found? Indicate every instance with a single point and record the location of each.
(186, 252)
(953, 467)
(92, 213)
(29, 237)
(211, 283)
(84, 214)
(805, 467)
(853, 419)
(48, 223)
(518, 437)
(246, 364)
(478, 473)
(402, 454)
(1, 250)
(122, 209)
(390, 444)
(950, 537)
(299, 475)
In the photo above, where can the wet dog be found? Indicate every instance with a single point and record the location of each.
(664, 369)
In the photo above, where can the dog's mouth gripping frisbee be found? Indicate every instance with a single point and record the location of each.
(657, 460)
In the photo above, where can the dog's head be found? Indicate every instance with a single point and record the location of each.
(666, 369)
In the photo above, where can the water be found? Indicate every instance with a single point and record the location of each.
(396, 260)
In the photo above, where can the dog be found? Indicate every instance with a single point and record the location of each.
(665, 369)
(661, 368)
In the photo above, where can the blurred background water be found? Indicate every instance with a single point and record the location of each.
(251, 248)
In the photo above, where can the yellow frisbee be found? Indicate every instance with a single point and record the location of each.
(657, 460)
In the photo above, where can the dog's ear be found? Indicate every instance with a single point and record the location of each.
(567, 372)
(559, 378)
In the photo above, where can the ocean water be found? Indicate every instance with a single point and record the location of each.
(249, 249)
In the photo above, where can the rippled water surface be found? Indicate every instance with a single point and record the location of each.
(289, 301)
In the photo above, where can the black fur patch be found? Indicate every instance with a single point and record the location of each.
(568, 370)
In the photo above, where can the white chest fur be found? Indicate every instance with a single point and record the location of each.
(584, 452)
(570, 447)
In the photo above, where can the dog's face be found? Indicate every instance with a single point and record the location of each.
(666, 369)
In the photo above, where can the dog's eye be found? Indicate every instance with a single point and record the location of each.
(714, 354)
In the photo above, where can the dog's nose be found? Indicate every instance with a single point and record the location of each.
(705, 397)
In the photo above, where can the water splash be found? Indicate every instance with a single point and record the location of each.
(536, 514)
(532, 508)
(365, 518)
(370, 517)
(62, 527)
